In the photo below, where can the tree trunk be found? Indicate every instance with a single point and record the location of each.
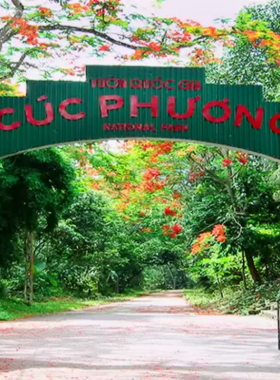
(251, 265)
(117, 285)
(243, 270)
(220, 288)
(29, 264)
(175, 282)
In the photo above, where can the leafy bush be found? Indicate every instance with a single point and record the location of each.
(80, 281)
(3, 289)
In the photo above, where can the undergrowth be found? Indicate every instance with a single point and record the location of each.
(236, 300)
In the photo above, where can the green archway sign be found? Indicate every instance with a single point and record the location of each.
(140, 103)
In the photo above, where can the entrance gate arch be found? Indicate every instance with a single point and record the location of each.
(140, 103)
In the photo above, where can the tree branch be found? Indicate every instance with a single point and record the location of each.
(16, 66)
(19, 8)
(7, 32)
(42, 242)
(70, 28)
(213, 176)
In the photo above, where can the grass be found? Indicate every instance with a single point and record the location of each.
(11, 309)
(202, 299)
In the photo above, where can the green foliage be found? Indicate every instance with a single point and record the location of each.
(216, 271)
(92, 237)
(235, 299)
(38, 184)
(245, 63)
(110, 234)
(91, 221)
(36, 188)
(3, 290)
(167, 276)
(6, 89)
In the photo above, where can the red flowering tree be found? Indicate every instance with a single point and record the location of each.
(65, 30)
(138, 180)
(206, 239)
(228, 188)
(186, 197)
(245, 50)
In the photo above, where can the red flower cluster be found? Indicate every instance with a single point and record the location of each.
(150, 174)
(126, 185)
(220, 233)
(154, 46)
(147, 145)
(242, 158)
(142, 213)
(6, 18)
(151, 181)
(104, 48)
(152, 186)
(193, 176)
(177, 229)
(68, 71)
(45, 12)
(168, 211)
(158, 149)
(180, 36)
(172, 231)
(29, 32)
(226, 162)
(100, 12)
(78, 8)
(177, 195)
(200, 242)
(165, 148)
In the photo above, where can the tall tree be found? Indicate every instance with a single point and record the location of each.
(247, 59)
(38, 186)
(231, 188)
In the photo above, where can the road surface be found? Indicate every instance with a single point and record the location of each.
(154, 337)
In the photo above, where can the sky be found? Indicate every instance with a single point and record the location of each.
(203, 11)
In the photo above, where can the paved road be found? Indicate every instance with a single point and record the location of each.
(155, 337)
